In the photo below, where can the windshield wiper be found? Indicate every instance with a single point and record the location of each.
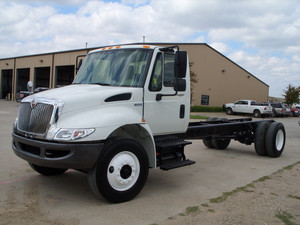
(102, 84)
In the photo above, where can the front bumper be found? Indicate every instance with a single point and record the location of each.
(57, 155)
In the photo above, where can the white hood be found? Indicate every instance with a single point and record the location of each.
(78, 96)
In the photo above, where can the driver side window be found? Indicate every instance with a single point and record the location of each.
(156, 78)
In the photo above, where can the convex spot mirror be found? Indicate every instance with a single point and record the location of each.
(180, 64)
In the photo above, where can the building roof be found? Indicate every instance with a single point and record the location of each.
(138, 43)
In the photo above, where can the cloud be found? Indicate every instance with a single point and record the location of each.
(267, 33)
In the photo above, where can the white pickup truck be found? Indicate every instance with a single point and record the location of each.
(127, 110)
(249, 107)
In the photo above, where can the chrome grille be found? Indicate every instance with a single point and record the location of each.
(34, 119)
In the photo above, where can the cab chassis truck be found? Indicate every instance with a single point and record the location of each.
(126, 111)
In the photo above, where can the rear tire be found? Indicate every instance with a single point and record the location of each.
(220, 144)
(121, 171)
(259, 141)
(207, 141)
(275, 139)
(47, 171)
(256, 113)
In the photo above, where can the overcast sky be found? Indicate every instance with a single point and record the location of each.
(262, 36)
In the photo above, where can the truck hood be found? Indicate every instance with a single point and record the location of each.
(81, 96)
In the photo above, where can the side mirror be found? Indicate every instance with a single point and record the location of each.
(180, 85)
(30, 86)
(180, 64)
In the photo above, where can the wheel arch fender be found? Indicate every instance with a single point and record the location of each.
(143, 135)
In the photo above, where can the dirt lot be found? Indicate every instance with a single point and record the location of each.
(273, 199)
(180, 196)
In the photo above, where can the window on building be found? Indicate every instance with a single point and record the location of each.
(204, 99)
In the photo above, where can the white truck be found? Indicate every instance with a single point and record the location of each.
(127, 111)
(249, 107)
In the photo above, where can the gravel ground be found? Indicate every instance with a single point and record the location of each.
(273, 199)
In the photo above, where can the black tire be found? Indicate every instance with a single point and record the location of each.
(256, 113)
(220, 144)
(207, 141)
(275, 139)
(229, 111)
(259, 138)
(47, 171)
(121, 171)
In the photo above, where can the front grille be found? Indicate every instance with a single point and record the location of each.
(34, 119)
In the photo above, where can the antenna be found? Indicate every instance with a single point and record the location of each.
(144, 39)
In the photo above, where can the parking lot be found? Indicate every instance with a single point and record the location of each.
(29, 198)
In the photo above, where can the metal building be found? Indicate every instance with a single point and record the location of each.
(218, 79)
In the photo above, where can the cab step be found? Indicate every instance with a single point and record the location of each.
(176, 164)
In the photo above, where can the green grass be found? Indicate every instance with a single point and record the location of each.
(262, 179)
(198, 108)
(192, 209)
(225, 195)
(199, 117)
(294, 196)
(285, 217)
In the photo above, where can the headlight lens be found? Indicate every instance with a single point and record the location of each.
(72, 134)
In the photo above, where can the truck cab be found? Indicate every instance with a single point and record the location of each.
(126, 94)
(126, 111)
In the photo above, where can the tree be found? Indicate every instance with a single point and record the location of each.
(291, 94)
(193, 80)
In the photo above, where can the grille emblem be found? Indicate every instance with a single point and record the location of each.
(32, 104)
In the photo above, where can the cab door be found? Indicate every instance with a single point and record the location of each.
(168, 114)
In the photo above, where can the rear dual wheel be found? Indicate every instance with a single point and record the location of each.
(269, 139)
(216, 143)
(275, 139)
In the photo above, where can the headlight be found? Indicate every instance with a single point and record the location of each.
(72, 134)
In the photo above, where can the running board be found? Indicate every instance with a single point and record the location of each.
(176, 164)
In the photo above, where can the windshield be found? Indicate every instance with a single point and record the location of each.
(122, 67)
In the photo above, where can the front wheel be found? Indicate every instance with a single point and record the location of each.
(229, 111)
(47, 171)
(121, 171)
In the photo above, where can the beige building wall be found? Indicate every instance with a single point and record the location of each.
(221, 79)
(217, 76)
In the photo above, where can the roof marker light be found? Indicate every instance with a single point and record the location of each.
(146, 46)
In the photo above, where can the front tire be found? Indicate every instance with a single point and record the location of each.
(229, 111)
(121, 171)
(47, 171)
